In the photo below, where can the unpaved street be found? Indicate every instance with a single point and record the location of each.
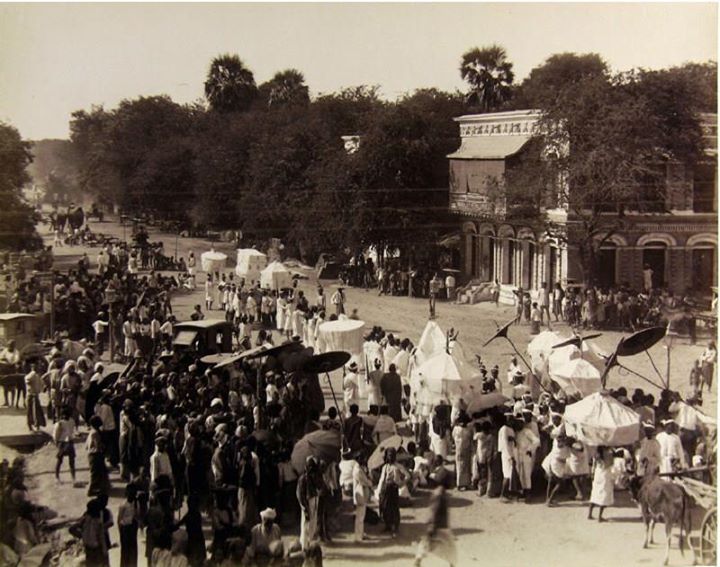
(489, 532)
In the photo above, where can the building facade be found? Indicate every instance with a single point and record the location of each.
(500, 240)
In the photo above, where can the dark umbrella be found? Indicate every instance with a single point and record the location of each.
(322, 444)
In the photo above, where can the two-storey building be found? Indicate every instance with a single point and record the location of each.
(507, 241)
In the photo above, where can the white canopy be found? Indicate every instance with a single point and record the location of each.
(213, 261)
(561, 356)
(344, 335)
(542, 344)
(432, 341)
(600, 419)
(445, 376)
(578, 375)
(250, 263)
(275, 276)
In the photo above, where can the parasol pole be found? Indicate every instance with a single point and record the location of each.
(659, 386)
(332, 391)
(654, 367)
(667, 372)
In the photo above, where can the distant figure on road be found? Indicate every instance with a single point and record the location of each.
(435, 285)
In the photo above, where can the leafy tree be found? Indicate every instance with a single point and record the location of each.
(230, 85)
(221, 146)
(554, 75)
(601, 148)
(348, 112)
(286, 88)
(17, 218)
(400, 172)
(89, 131)
(489, 74)
(137, 156)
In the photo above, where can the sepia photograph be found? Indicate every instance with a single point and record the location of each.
(358, 283)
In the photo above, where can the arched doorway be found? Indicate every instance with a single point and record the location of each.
(607, 265)
(654, 256)
(703, 262)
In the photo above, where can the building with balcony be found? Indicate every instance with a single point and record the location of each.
(508, 241)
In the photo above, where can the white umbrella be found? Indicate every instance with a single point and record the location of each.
(377, 458)
(559, 357)
(578, 375)
(213, 261)
(275, 276)
(344, 335)
(542, 344)
(445, 375)
(600, 419)
(432, 341)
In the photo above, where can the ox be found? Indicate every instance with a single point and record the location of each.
(661, 501)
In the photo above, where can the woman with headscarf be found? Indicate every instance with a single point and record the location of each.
(391, 478)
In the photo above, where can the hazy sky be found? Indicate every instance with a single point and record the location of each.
(57, 58)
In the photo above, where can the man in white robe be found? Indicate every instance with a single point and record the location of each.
(508, 453)
(527, 445)
(672, 456)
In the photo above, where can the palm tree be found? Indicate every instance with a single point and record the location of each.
(287, 87)
(230, 86)
(489, 75)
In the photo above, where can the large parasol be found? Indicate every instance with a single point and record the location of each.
(377, 458)
(577, 376)
(344, 335)
(213, 261)
(445, 376)
(320, 444)
(600, 419)
(275, 276)
(542, 344)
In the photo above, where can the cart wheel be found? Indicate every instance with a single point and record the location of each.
(708, 538)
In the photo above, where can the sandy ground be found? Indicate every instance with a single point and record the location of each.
(488, 531)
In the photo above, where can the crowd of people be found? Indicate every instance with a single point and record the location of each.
(617, 308)
(194, 444)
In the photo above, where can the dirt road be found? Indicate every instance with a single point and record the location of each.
(489, 532)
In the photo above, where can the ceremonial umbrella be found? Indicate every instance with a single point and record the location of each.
(600, 419)
(542, 344)
(377, 458)
(578, 375)
(322, 444)
(446, 375)
(482, 402)
(213, 261)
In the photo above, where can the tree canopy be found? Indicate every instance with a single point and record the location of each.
(602, 143)
(17, 218)
(230, 85)
(489, 74)
(547, 81)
